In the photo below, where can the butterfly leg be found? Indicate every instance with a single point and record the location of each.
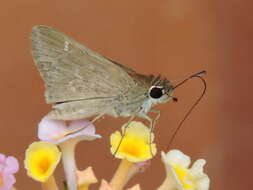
(156, 118)
(124, 133)
(82, 128)
(152, 125)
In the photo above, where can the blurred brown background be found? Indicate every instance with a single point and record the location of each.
(173, 38)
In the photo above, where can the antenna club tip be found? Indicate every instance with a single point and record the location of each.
(200, 73)
(204, 72)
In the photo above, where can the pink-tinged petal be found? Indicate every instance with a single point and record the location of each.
(50, 129)
(8, 166)
(2, 158)
(56, 131)
(137, 168)
(90, 129)
(2, 161)
(87, 133)
(142, 166)
(8, 181)
(11, 165)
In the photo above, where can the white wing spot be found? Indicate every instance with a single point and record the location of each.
(66, 46)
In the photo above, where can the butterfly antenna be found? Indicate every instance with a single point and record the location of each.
(197, 75)
(187, 77)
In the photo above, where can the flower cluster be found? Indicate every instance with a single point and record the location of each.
(8, 167)
(133, 145)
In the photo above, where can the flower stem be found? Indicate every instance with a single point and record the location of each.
(168, 184)
(50, 184)
(119, 179)
(69, 163)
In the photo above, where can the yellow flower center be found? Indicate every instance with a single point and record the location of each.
(44, 165)
(131, 149)
(183, 176)
(1, 181)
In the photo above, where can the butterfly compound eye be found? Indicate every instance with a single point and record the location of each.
(156, 92)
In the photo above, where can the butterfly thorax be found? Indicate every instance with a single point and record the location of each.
(138, 100)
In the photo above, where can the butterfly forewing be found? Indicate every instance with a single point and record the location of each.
(72, 71)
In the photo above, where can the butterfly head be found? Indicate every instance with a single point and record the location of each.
(161, 91)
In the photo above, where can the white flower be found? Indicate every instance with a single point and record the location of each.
(178, 171)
